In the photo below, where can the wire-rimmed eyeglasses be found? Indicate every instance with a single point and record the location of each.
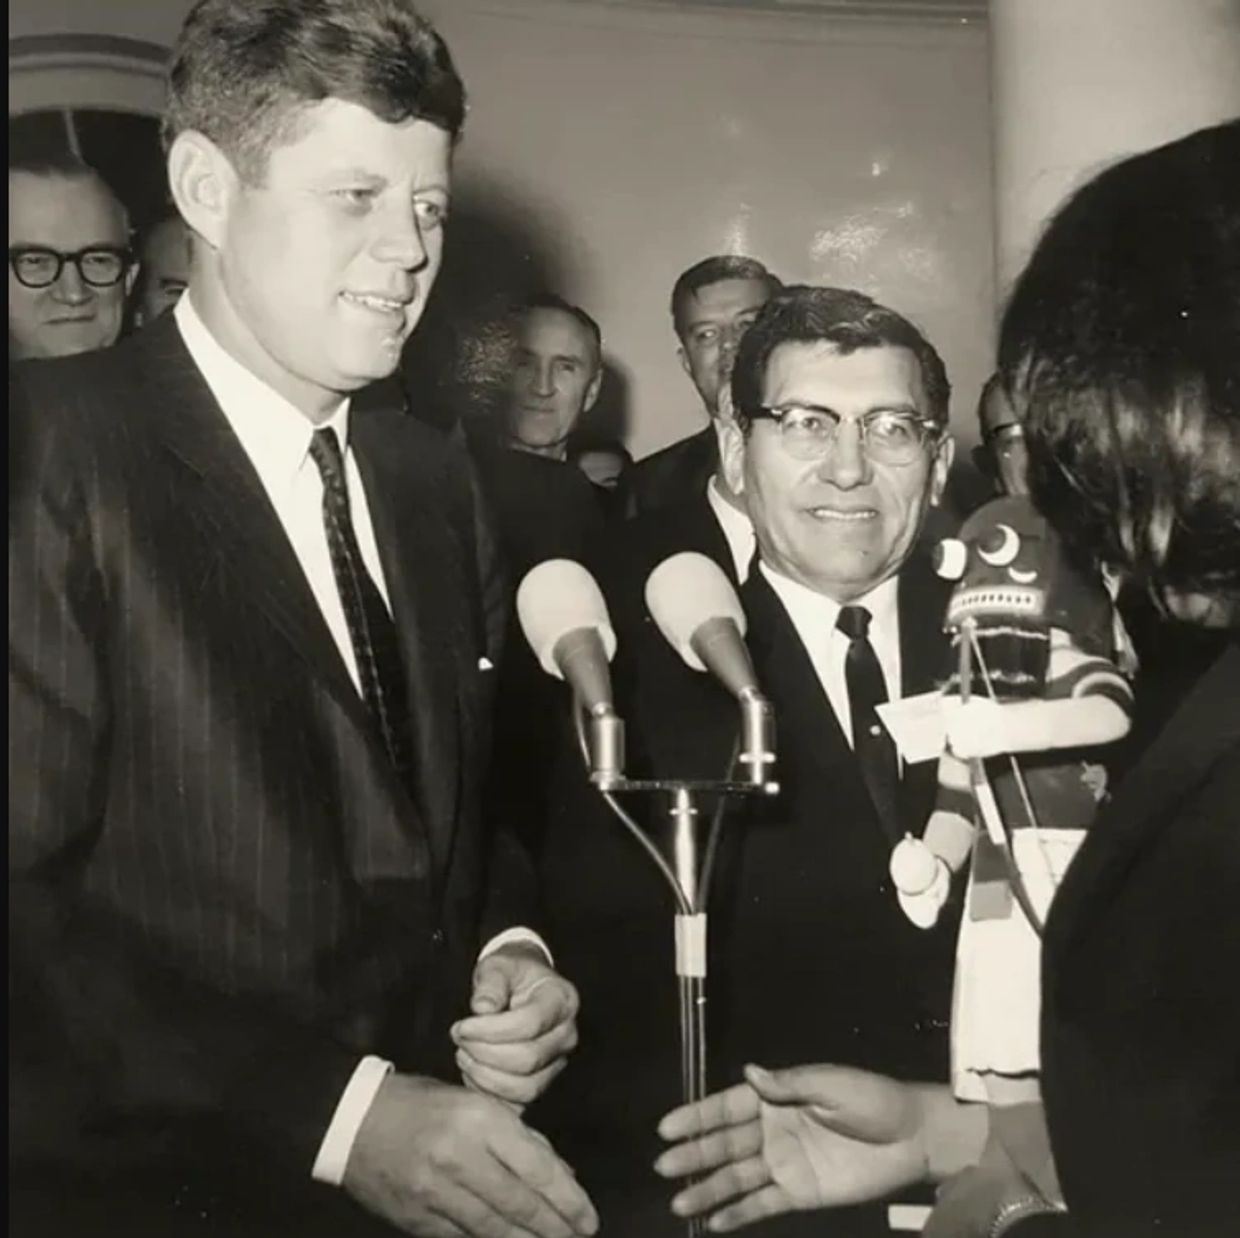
(888, 436)
(100, 266)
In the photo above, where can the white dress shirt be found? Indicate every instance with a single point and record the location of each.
(737, 528)
(275, 435)
(814, 616)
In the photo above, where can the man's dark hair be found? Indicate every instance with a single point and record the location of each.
(849, 320)
(1120, 345)
(550, 300)
(244, 70)
(715, 270)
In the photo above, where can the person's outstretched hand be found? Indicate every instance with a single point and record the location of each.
(441, 1161)
(787, 1140)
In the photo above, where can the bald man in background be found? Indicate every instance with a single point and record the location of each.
(70, 267)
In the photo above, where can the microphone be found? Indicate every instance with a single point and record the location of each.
(565, 620)
(700, 616)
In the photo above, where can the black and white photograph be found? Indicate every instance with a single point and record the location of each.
(624, 618)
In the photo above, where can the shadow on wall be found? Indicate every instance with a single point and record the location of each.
(457, 365)
(608, 420)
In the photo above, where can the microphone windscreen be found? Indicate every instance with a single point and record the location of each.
(556, 597)
(686, 591)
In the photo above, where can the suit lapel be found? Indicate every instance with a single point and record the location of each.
(414, 537)
(780, 655)
(241, 524)
(247, 541)
(704, 532)
(922, 602)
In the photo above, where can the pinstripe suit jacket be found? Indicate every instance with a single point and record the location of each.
(220, 892)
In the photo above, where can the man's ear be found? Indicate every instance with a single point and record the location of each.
(131, 278)
(203, 183)
(684, 360)
(596, 385)
(732, 455)
(944, 454)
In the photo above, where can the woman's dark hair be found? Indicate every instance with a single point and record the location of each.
(801, 314)
(1121, 344)
(243, 70)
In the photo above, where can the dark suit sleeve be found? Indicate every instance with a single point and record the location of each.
(494, 580)
(509, 896)
(104, 1037)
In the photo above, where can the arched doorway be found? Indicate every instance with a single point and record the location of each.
(99, 96)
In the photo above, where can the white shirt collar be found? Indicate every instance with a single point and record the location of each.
(814, 612)
(274, 433)
(736, 525)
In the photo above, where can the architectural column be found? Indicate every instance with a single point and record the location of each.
(1077, 84)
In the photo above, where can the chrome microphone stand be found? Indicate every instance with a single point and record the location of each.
(687, 870)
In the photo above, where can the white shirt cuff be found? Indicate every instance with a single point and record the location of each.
(351, 1110)
(508, 936)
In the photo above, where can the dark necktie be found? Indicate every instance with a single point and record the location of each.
(876, 753)
(371, 630)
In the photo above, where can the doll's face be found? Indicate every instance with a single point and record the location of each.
(1003, 563)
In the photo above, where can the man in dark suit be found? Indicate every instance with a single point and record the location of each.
(544, 506)
(840, 449)
(249, 636)
(712, 304)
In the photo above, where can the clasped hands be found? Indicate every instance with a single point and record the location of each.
(444, 1161)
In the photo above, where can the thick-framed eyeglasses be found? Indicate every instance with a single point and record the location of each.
(887, 436)
(100, 266)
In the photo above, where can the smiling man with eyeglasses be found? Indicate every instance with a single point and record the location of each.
(838, 445)
(70, 270)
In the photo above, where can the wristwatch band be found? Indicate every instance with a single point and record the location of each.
(1018, 1210)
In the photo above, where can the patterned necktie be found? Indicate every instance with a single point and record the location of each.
(371, 630)
(876, 753)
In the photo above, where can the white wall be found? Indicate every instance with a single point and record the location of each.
(1077, 86)
(608, 147)
(643, 141)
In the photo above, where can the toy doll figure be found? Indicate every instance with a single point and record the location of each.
(1034, 635)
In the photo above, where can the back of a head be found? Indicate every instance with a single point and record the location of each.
(242, 69)
(1119, 343)
(848, 320)
(715, 270)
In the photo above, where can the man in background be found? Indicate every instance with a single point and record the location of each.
(558, 373)
(712, 304)
(164, 256)
(70, 268)
(1001, 455)
(544, 507)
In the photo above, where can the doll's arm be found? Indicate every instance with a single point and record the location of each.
(922, 868)
(985, 728)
